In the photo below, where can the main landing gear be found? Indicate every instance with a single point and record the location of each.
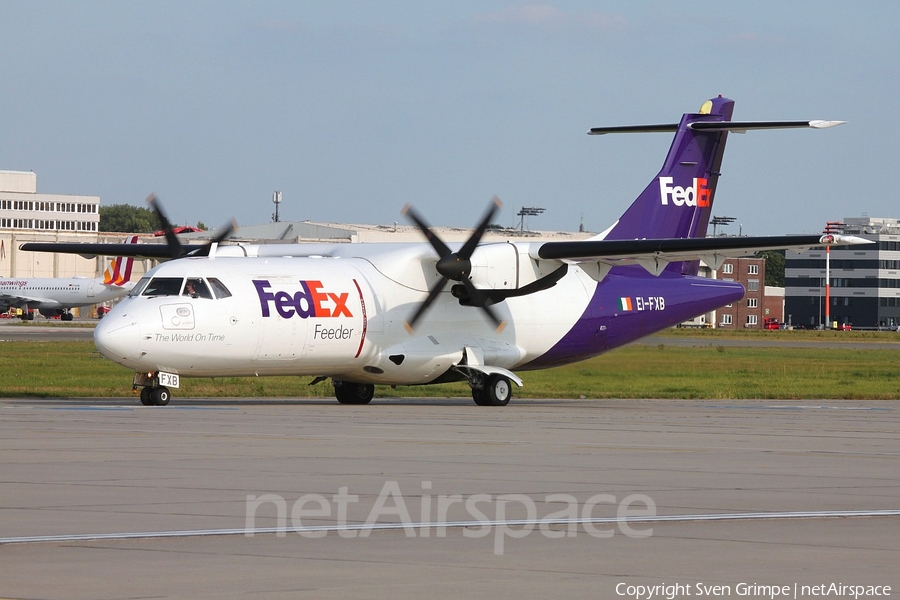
(348, 392)
(493, 390)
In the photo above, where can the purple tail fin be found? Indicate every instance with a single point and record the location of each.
(678, 202)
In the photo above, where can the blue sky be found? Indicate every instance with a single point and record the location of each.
(353, 109)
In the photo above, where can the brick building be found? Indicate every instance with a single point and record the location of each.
(749, 311)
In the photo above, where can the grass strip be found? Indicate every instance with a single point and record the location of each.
(75, 369)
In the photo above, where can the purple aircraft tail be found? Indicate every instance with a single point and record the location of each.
(678, 202)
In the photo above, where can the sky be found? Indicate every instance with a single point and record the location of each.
(353, 109)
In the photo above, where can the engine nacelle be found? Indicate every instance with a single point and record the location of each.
(506, 266)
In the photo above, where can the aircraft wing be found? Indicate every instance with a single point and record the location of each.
(655, 254)
(90, 250)
(18, 300)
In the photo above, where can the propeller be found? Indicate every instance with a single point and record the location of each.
(456, 266)
(176, 248)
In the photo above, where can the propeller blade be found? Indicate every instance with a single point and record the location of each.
(221, 236)
(436, 243)
(455, 265)
(432, 295)
(171, 239)
(176, 248)
(479, 299)
(469, 247)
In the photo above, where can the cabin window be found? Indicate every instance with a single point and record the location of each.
(164, 286)
(219, 288)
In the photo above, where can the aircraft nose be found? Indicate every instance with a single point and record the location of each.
(118, 338)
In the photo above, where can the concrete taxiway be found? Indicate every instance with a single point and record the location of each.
(16, 331)
(109, 499)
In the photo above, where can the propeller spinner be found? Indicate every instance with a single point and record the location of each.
(455, 265)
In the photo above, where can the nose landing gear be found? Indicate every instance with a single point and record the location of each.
(155, 396)
(152, 393)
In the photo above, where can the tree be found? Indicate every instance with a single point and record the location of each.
(774, 266)
(128, 219)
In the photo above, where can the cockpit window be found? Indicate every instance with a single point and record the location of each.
(219, 288)
(195, 288)
(139, 286)
(163, 286)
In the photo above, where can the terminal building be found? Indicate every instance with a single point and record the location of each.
(27, 216)
(865, 280)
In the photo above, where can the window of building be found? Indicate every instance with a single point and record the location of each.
(753, 269)
(752, 302)
(728, 268)
(751, 319)
(753, 285)
(726, 319)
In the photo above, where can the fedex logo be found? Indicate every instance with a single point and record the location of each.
(696, 195)
(310, 301)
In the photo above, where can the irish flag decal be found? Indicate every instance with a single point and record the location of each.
(625, 304)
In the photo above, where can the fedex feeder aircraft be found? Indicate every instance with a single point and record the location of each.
(383, 314)
(55, 296)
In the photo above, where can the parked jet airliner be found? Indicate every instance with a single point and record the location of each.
(55, 296)
(382, 314)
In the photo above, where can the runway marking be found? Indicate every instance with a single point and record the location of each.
(791, 407)
(744, 516)
(132, 408)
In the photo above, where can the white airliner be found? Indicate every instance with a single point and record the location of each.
(382, 314)
(56, 296)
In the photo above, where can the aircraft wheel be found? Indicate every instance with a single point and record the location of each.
(66, 316)
(480, 397)
(160, 396)
(353, 393)
(146, 396)
(497, 390)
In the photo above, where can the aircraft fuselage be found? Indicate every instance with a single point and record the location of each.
(341, 316)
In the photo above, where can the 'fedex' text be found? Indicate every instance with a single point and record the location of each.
(695, 195)
(309, 301)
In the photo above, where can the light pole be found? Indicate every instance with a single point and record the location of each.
(831, 227)
(528, 211)
(721, 221)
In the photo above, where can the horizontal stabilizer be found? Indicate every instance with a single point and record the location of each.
(735, 126)
(664, 128)
(743, 126)
(683, 248)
